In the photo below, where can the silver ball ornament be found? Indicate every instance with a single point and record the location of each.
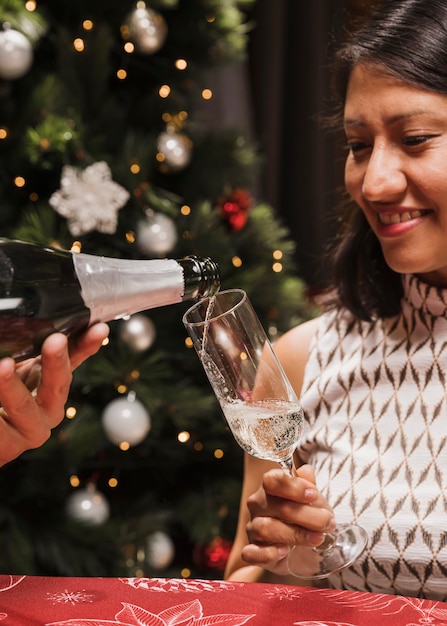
(147, 30)
(176, 149)
(126, 420)
(156, 235)
(16, 54)
(89, 506)
(160, 550)
(137, 332)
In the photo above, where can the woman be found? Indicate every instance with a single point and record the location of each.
(371, 370)
(33, 393)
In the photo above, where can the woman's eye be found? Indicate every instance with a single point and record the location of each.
(416, 140)
(355, 147)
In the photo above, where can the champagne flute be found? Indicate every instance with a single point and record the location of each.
(261, 408)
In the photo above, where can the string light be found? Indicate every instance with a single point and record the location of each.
(34, 196)
(74, 480)
(79, 45)
(188, 342)
(76, 246)
(3, 133)
(277, 267)
(130, 236)
(207, 94)
(19, 181)
(198, 446)
(236, 261)
(277, 255)
(121, 74)
(181, 64)
(113, 482)
(30, 5)
(218, 453)
(135, 168)
(164, 91)
(129, 47)
(185, 572)
(185, 210)
(70, 412)
(87, 25)
(124, 446)
(184, 436)
(273, 331)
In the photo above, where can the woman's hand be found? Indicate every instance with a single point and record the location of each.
(286, 512)
(33, 393)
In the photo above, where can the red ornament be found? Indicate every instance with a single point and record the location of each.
(215, 555)
(234, 207)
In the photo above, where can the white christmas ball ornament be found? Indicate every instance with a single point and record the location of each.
(138, 332)
(147, 29)
(126, 420)
(176, 149)
(89, 506)
(16, 54)
(156, 235)
(160, 550)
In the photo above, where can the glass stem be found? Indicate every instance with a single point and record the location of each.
(288, 467)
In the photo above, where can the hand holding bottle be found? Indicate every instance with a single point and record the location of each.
(33, 393)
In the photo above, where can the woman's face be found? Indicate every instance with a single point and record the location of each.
(396, 169)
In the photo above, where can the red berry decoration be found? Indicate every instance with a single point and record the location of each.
(234, 208)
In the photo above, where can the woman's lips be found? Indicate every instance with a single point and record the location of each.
(395, 223)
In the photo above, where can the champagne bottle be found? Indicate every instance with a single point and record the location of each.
(45, 290)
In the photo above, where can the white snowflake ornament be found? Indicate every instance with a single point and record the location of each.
(89, 199)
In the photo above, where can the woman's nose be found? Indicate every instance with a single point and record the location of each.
(384, 179)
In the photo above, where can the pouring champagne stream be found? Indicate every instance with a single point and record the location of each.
(260, 406)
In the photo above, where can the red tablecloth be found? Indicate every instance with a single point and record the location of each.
(39, 601)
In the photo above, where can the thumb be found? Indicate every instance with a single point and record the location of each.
(307, 472)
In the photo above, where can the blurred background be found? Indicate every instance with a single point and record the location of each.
(149, 130)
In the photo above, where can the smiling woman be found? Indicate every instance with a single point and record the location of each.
(370, 371)
(397, 138)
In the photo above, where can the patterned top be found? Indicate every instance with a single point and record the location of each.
(374, 395)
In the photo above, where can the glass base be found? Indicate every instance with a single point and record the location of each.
(340, 550)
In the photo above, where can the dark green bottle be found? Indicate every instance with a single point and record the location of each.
(45, 290)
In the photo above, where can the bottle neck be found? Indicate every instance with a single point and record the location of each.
(201, 277)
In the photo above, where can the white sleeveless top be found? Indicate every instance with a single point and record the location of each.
(374, 395)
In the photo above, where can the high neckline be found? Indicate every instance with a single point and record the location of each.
(427, 298)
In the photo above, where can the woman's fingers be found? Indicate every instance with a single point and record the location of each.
(270, 557)
(295, 501)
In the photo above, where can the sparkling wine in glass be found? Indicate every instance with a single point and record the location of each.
(261, 408)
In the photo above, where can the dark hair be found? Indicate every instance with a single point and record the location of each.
(406, 39)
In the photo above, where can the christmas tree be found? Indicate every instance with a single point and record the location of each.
(109, 144)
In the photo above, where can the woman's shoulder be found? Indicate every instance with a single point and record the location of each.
(292, 350)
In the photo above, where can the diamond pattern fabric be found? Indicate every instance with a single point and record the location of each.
(374, 396)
